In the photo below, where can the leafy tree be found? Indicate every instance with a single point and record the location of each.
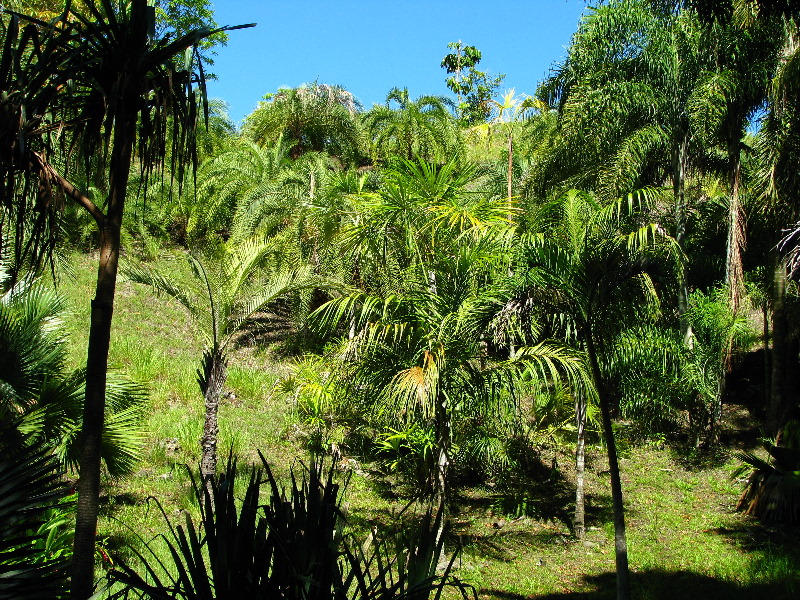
(423, 127)
(474, 89)
(100, 79)
(231, 283)
(315, 117)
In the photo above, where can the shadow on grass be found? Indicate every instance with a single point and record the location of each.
(666, 585)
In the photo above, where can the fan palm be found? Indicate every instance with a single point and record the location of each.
(38, 391)
(231, 282)
(593, 268)
(30, 483)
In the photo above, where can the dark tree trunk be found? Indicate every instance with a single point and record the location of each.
(211, 380)
(780, 335)
(97, 365)
(580, 467)
(620, 538)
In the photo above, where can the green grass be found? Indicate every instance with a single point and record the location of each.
(685, 539)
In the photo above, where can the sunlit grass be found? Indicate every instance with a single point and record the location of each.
(684, 534)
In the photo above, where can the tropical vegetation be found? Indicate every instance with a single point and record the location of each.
(436, 299)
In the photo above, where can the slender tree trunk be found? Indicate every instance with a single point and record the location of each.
(212, 380)
(679, 192)
(767, 364)
(620, 538)
(510, 171)
(97, 364)
(780, 334)
(442, 458)
(580, 467)
(734, 271)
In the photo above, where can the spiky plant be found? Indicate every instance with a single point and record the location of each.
(291, 546)
(30, 484)
(772, 493)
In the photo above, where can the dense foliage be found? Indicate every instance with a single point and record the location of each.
(458, 280)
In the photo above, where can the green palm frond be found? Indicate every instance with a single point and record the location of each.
(30, 483)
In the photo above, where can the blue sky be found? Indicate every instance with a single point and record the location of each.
(371, 46)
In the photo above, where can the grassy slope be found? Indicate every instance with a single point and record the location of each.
(685, 540)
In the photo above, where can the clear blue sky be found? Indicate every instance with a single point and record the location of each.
(370, 46)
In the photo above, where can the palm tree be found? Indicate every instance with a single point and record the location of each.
(424, 127)
(231, 282)
(593, 270)
(313, 117)
(623, 94)
(722, 108)
(100, 79)
(418, 356)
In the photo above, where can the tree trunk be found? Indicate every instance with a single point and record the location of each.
(211, 380)
(678, 184)
(734, 271)
(88, 486)
(442, 458)
(780, 334)
(579, 523)
(510, 171)
(620, 538)
(767, 365)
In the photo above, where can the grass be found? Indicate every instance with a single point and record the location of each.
(685, 539)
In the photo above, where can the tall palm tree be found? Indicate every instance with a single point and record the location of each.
(722, 107)
(231, 282)
(593, 270)
(98, 77)
(623, 94)
(424, 127)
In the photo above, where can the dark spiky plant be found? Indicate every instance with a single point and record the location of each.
(92, 83)
(292, 546)
(772, 493)
(30, 483)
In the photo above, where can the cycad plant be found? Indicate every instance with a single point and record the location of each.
(30, 484)
(231, 282)
(45, 398)
(293, 545)
(773, 488)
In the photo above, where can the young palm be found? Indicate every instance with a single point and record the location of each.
(419, 356)
(231, 282)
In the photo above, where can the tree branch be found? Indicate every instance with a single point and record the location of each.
(70, 190)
